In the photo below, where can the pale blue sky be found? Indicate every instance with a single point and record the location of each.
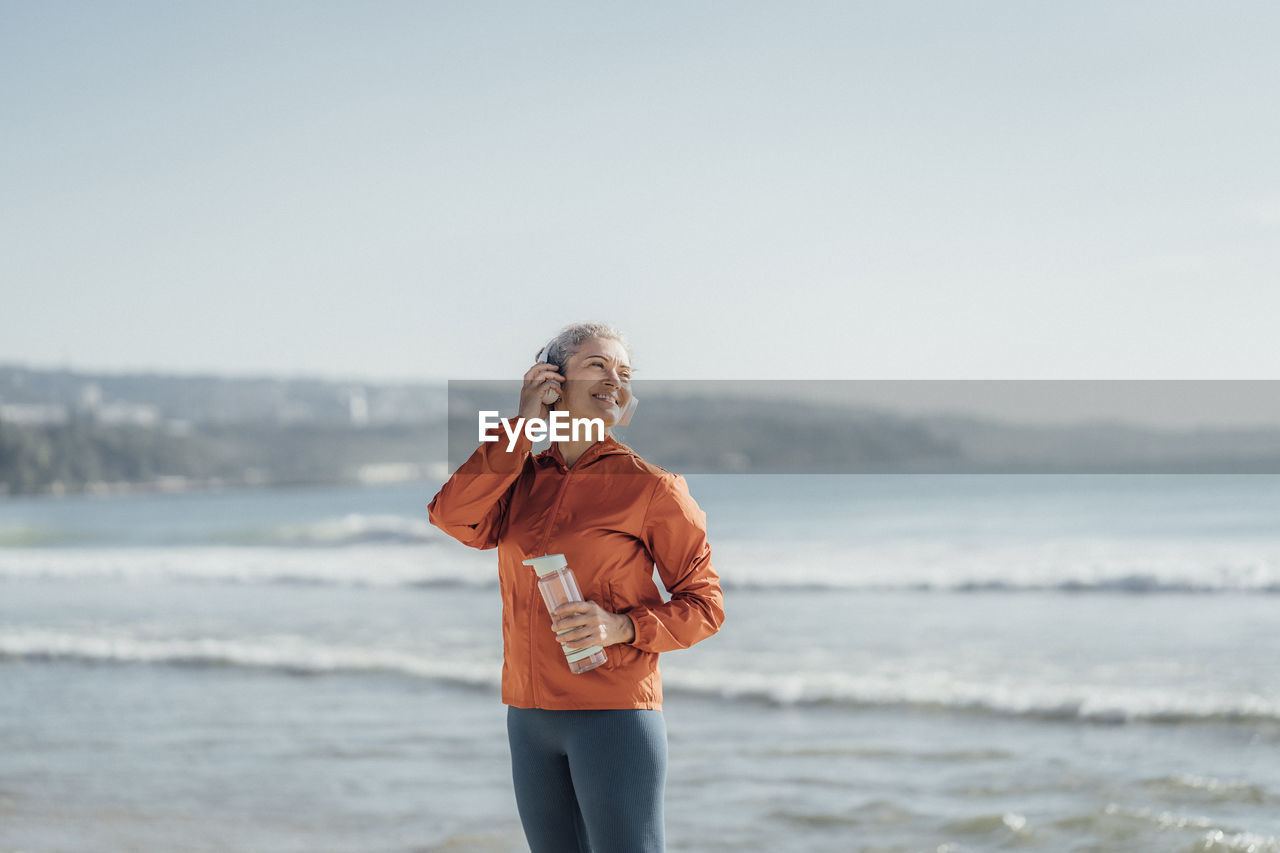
(750, 190)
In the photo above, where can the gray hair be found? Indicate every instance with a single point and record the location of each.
(573, 336)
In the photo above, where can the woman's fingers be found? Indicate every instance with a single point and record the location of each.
(580, 638)
(580, 624)
(578, 629)
(540, 371)
(585, 640)
(541, 389)
(575, 613)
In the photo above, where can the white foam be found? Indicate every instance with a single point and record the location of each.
(897, 685)
(1133, 566)
(1218, 841)
(1069, 564)
(941, 690)
(364, 565)
(356, 528)
(1212, 840)
(285, 652)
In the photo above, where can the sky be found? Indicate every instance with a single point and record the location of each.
(822, 190)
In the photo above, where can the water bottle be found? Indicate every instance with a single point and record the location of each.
(558, 586)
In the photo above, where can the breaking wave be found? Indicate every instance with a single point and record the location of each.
(297, 655)
(1067, 567)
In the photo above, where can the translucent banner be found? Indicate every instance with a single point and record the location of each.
(921, 427)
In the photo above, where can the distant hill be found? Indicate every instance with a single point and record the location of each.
(152, 398)
(66, 432)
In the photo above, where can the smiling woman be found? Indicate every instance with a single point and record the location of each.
(589, 750)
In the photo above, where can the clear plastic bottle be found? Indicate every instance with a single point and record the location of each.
(558, 586)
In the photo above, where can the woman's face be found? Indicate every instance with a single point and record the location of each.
(597, 381)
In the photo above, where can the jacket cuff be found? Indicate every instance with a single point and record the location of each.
(651, 634)
(646, 625)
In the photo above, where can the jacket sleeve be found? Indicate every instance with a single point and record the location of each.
(471, 506)
(675, 532)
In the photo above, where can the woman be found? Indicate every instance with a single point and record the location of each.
(588, 751)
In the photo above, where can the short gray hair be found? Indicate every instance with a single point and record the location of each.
(573, 336)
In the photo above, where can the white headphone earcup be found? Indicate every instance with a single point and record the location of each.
(625, 417)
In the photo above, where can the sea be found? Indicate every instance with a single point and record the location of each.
(908, 663)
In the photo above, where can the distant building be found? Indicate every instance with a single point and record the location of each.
(388, 472)
(90, 399)
(129, 414)
(34, 413)
(358, 406)
(116, 413)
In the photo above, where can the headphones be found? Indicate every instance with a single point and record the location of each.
(623, 419)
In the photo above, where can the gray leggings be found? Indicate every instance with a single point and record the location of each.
(589, 781)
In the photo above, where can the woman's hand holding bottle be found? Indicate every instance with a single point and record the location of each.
(586, 624)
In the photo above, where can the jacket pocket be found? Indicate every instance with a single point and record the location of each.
(619, 655)
(610, 596)
(508, 602)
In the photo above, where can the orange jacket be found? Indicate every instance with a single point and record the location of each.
(614, 516)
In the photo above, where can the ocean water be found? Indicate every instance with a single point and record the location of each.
(939, 664)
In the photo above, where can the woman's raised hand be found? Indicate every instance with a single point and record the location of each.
(541, 389)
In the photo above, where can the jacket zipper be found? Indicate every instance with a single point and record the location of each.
(542, 551)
